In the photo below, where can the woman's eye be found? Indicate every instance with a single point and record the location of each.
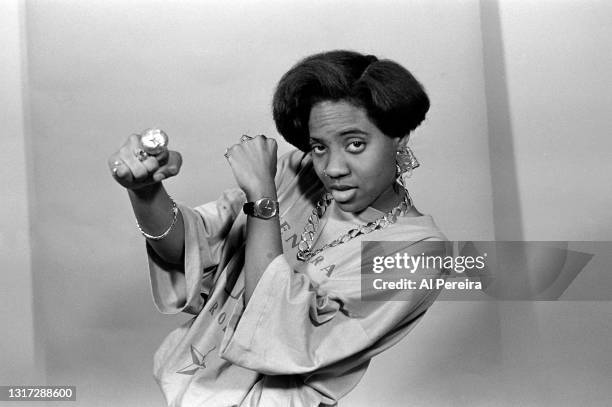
(317, 148)
(356, 146)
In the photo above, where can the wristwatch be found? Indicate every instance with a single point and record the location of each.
(264, 208)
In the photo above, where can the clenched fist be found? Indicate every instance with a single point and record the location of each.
(133, 171)
(253, 163)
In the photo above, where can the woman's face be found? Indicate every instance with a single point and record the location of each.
(353, 158)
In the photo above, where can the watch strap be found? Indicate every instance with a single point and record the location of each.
(249, 208)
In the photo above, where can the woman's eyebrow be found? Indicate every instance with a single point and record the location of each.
(353, 130)
(345, 132)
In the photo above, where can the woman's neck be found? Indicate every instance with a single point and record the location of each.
(388, 199)
(391, 198)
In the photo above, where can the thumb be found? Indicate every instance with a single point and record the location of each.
(170, 168)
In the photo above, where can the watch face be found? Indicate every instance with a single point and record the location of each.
(266, 207)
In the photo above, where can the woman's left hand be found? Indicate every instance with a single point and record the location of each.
(253, 163)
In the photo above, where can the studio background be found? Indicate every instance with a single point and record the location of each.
(515, 146)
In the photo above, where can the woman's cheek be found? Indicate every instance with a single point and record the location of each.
(318, 168)
(382, 174)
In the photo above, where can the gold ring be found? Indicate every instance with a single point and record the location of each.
(141, 154)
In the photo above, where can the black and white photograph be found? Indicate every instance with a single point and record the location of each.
(292, 203)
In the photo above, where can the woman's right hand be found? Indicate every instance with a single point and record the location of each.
(134, 174)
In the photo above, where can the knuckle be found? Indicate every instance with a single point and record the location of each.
(151, 161)
(152, 166)
(122, 175)
(139, 174)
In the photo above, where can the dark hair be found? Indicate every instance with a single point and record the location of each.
(393, 99)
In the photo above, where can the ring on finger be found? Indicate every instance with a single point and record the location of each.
(245, 137)
(141, 154)
(154, 141)
(116, 165)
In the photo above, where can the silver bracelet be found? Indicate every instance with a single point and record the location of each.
(167, 232)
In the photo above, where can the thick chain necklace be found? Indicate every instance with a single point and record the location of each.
(305, 251)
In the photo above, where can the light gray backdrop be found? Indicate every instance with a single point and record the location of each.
(516, 146)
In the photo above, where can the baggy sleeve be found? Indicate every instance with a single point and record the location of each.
(290, 327)
(183, 288)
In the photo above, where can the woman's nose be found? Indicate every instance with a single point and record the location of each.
(336, 166)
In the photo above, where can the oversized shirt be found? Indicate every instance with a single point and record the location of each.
(306, 336)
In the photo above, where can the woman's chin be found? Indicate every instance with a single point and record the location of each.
(350, 206)
(344, 197)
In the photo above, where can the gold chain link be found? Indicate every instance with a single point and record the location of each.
(305, 252)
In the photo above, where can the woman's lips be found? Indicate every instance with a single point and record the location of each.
(340, 187)
(343, 193)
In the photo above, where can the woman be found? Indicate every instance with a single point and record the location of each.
(272, 271)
